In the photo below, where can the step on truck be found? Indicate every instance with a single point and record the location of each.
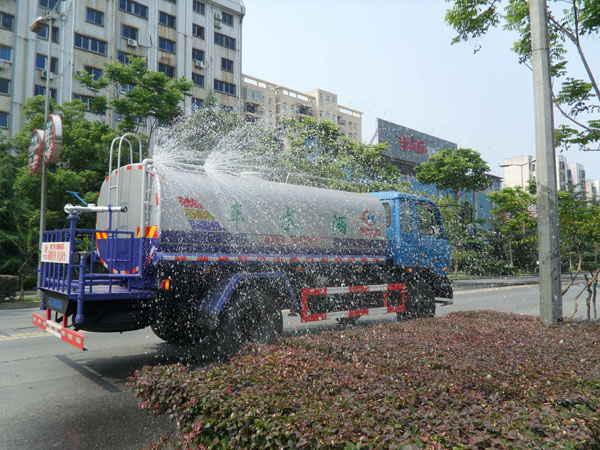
(211, 258)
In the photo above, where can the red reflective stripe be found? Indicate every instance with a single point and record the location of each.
(223, 258)
(140, 166)
(324, 259)
(202, 258)
(128, 167)
(242, 258)
(358, 288)
(157, 199)
(261, 258)
(180, 258)
(315, 317)
(358, 313)
(293, 259)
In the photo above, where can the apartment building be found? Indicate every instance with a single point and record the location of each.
(569, 175)
(592, 190)
(200, 40)
(266, 101)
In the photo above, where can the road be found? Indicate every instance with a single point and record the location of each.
(54, 396)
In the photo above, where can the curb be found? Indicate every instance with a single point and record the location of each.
(18, 305)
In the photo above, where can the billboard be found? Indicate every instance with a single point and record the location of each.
(410, 145)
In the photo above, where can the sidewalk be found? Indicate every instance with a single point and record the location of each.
(508, 280)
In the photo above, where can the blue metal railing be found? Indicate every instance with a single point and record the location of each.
(77, 273)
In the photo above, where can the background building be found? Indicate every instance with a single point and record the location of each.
(570, 176)
(592, 189)
(407, 148)
(200, 40)
(266, 101)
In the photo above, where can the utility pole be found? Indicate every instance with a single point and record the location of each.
(547, 195)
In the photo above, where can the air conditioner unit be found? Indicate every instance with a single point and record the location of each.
(199, 64)
(218, 16)
(45, 74)
(132, 43)
(217, 24)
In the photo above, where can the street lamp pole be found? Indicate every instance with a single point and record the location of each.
(36, 27)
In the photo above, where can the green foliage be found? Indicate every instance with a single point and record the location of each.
(465, 380)
(516, 226)
(579, 228)
(147, 94)
(9, 285)
(458, 170)
(576, 99)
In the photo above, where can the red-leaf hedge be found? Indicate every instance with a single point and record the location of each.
(466, 380)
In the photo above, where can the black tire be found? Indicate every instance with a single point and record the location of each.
(249, 316)
(263, 323)
(420, 302)
(174, 322)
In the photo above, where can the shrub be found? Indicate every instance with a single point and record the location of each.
(9, 286)
(473, 379)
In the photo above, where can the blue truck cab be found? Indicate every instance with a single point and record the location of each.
(416, 239)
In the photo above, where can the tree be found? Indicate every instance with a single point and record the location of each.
(140, 94)
(576, 99)
(457, 170)
(515, 221)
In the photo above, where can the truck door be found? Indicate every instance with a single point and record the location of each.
(408, 249)
(434, 248)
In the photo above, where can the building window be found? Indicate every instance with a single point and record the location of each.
(225, 88)
(40, 63)
(166, 44)
(90, 44)
(199, 7)
(198, 79)
(49, 4)
(7, 21)
(43, 33)
(225, 41)
(125, 88)
(166, 19)
(197, 31)
(3, 119)
(95, 73)
(226, 64)
(4, 86)
(124, 58)
(41, 90)
(197, 55)
(133, 8)
(226, 18)
(129, 32)
(168, 70)
(172, 1)
(94, 16)
(84, 98)
(197, 103)
(5, 53)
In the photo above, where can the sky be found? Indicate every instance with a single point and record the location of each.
(393, 59)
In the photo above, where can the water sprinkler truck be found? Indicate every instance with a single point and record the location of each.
(213, 258)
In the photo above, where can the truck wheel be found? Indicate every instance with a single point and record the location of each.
(174, 324)
(263, 323)
(420, 302)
